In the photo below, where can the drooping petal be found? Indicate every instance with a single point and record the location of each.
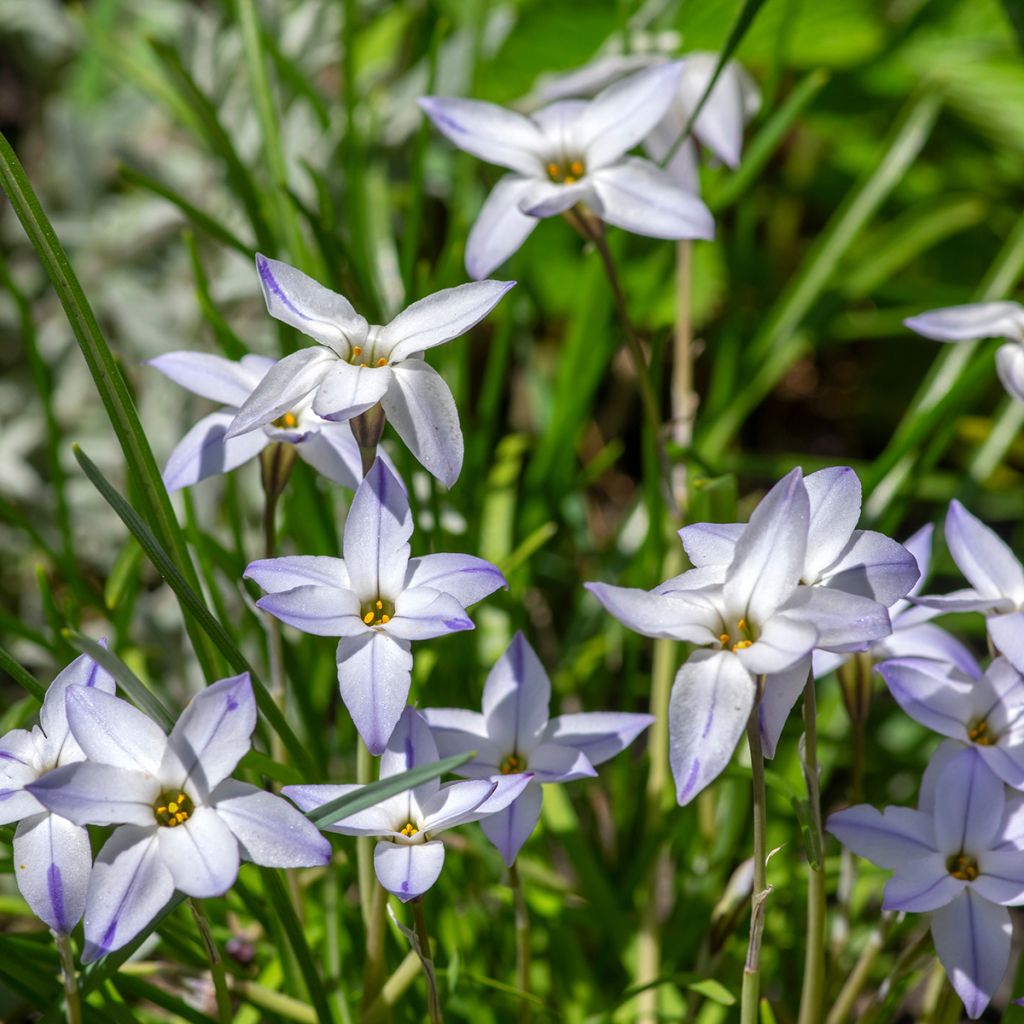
(457, 731)
(834, 495)
(710, 543)
(1010, 367)
(972, 939)
(554, 762)
(201, 854)
(423, 613)
(733, 100)
(490, 132)
(454, 804)
(637, 195)
(215, 731)
(346, 390)
(708, 711)
(624, 112)
(377, 532)
(53, 718)
(305, 304)
(204, 452)
(923, 885)
(516, 698)
(214, 377)
(110, 731)
(510, 828)
(408, 870)
(927, 691)
(970, 810)
(982, 556)
(781, 691)
(89, 793)
(322, 611)
(468, 579)
(269, 830)
(129, 885)
(500, 227)
(278, 574)
(874, 566)
(420, 407)
(373, 675)
(889, 838)
(844, 621)
(598, 734)
(333, 452)
(373, 821)
(1007, 633)
(676, 616)
(974, 320)
(52, 863)
(285, 385)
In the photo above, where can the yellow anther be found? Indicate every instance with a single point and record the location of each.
(963, 866)
(513, 764)
(554, 170)
(363, 366)
(287, 421)
(408, 830)
(742, 625)
(357, 350)
(161, 810)
(368, 618)
(380, 604)
(979, 733)
(385, 619)
(724, 638)
(382, 361)
(568, 180)
(172, 810)
(576, 167)
(743, 645)
(172, 822)
(173, 807)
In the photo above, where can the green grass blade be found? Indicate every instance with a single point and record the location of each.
(21, 676)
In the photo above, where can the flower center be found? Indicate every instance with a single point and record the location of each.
(513, 764)
(287, 421)
(962, 866)
(566, 173)
(377, 613)
(360, 357)
(981, 734)
(173, 808)
(408, 830)
(740, 640)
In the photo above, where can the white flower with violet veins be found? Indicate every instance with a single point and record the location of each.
(355, 364)
(571, 152)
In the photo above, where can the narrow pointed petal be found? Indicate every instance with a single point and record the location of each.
(971, 806)
(509, 829)
(874, 566)
(411, 745)
(554, 762)
(322, 611)
(1001, 877)
(781, 691)
(966, 600)
(889, 838)
(284, 386)
(296, 299)
(423, 613)
(374, 677)
(598, 734)
(420, 407)
(110, 731)
(346, 390)
(490, 132)
(674, 616)
(844, 621)
(937, 763)
(1007, 633)
(454, 804)
(214, 377)
(408, 870)
(204, 451)
(623, 113)
(516, 698)
(467, 578)
(972, 939)
(215, 731)
(269, 830)
(928, 641)
(83, 671)
(982, 556)
(89, 793)
(130, 884)
(500, 227)
(1010, 367)
(377, 532)
(201, 854)
(710, 543)
(834, 495)
(637, 195)
(719, 125)
(919, 544)
(507, 788)
(333, 452)
(53, 861)
(930, 695)
(457, 731)
(924, 885)
(373, 821)
(711, 701)
(275, 575)
(17, 803)
(975, 320)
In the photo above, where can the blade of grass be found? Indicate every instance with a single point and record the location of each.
(21, 676)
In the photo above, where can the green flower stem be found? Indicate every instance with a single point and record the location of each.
(72, 999)
(423, 935)
(752, 968)
(522, 945)
(375, 920)
(393, 989)
(220, 981)
(843, 1006)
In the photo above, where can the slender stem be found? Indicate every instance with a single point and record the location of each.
(275, 643)
(364, 845)
(814, 952)
(752, 968)
(393, 989)
(683, 397)
(72, 1000)
(220, 981)
(373, 967)
(522, 945)
(843, 1006)
(433, 1003)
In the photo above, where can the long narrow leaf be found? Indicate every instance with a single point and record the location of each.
(21, 676)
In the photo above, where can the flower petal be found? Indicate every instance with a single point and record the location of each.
(927, 691)
(500, 227)
(408, 870)
(275, 575)
(202, 854)
(785, 640)
(1001, 877)
(110, 731)
(972, 804)
(89, 793)
(1007, 633)
(53, 718)
(321, 611)
(516, 698)
(872, 565)
(550, 198)
(927, 795)
(675, 616)
(974, 320)
(468, 579)
(972, 939)
(598, 734)
(733, 100)
(508, 829)
(1010, 367)
(346, 390)
(711, 701)
(555, 762)
(333, 453)
(637, 195)
(269, 830)
(374, 678)
(889, 838)
(457, 731)
(221, 380)
(781, 691)
(296, 299)
(966, 600)
(53, 861)
(373, 821)
(844, 621)
(923, 885)
(420, 407)
(927, 641)
(130, 884)
(203, 452)
(982, 556)
(710, 543)
(454, 804)
(834, 495)
(423, 613)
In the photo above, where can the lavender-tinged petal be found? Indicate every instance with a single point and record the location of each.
(347, 390)
(1007, 633)
(201, 854)
(334, 454)
(594, 76)
(710, 543)
(52, 863)
(708, 711)
(972, 803)
(732, 101)
(509, 829)
(454, 804)
(516, 698)
(683, 166)
(269, 830)
(210, 376)
(89, 793)
(377, 532)
(785, 640)
(467, 578)
(999, 696)
(1011, 830)
(1006, 761)
(17, 803)
(834, 495)
(421, 408)
(675, 616)
(423, 613)
(110, 731)
(967, 600)
(1010, 367)
(374, 678)
(982, 556)
(637, 195)
(974, 320)
(873, 566)
(919, 544)
(550, 198)
(930, 694)
(321, 611)
(554, 762)
(972, 939)
(825, 662)
(701, 579)
(1001, 877)
(129, 885)
(296, 299)
(843, 621)
(373, 821)
(456, 732)
(275, 575)
(500, 227)
(889, 838)
(411, 745)
(489, 132)
(923, 885)
(598, 734)
(83, 671)
(944, 753)
(927, 641)
(507, 788)
(408, 870)
(204, 452)
(781, 691)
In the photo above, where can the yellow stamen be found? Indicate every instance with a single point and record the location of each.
(980, 734)
(385, 618)
(576, 167)
(287, 421)
(173, 807)
(742, 625)
(380, 604)
(743, 645)
(553, 170)
(173, 811)
(357, 350)
(368, 618)
(568, 180)
(382, 361)
(963, 866)
(513, 764)
(724, 638)
(409, 830)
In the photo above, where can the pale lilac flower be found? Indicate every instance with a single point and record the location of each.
(183, 823)
(409, 856)
(960, 857)
(355, 365)
(377, 599)
(996, 577)
(853, 572)
(52, 856)
(982, 320)
(515, 734)
(571, 152)
(205, 450)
